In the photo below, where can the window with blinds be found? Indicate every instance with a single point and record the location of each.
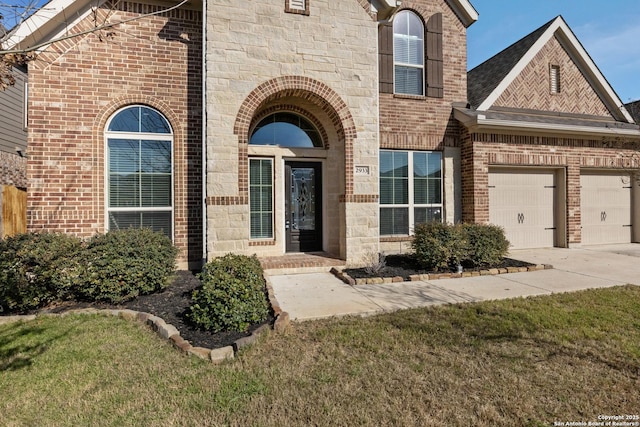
(410, 190)
(408, 53)
(140, 170)
(261, 198)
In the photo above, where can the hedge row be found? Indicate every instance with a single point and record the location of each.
(441, 246)
(37, 269)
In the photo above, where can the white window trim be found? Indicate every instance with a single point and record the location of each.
(411, 205)
(273, 211)
(138, 136)
(402, 64)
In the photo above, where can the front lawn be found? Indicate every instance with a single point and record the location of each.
(530, 362)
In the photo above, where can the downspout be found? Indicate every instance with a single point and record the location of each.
(204, 132)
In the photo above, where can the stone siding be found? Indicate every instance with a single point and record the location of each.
(259, 58)
(13, 170)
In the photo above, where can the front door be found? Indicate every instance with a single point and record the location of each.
(303, 206)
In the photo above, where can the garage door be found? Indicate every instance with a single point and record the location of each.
(522, 201)
(605, 207)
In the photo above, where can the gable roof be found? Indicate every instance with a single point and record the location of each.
(50, 21)
(463, 9)
(634, 109)
(489, 80)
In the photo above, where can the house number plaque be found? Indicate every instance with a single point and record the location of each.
(362, 170)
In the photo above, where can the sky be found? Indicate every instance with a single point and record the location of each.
(609, 30)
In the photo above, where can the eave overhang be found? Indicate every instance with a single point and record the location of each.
(462, 8)
(500, 122)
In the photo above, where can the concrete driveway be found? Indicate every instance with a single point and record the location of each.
(320, 295)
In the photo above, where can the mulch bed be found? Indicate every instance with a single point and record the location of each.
(171, 305)
(406, 265)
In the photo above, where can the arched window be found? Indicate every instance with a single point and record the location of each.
(408, 53)
(139, 143)
(286, 130)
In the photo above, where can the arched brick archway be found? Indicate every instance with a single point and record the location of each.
(304, 88)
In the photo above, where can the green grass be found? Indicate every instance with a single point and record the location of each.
(528, 362)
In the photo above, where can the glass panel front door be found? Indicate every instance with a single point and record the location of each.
(303, 216)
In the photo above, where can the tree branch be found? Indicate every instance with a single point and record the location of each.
(92, 30)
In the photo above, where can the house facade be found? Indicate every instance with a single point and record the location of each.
(295, 126)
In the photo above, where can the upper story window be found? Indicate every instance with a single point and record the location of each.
(139, 144)
(408, 53)
(286, 130)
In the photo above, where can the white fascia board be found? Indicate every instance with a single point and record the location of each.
(51, 22)
(573, 45)
(481, 123)
(560, 27)
(465, 10)
(515, 71)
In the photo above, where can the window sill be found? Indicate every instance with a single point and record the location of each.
(407, 96)
(262, 242)
(396, 238)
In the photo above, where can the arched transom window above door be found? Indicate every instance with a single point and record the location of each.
(286, 130)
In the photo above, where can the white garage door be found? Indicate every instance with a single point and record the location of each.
(605, 207)
(522, 201)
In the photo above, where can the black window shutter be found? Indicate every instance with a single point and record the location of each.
(385, 57)
(433, 53)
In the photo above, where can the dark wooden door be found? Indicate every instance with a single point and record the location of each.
(303, 206)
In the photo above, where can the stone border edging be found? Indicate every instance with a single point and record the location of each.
(171, 333)
(435, 276)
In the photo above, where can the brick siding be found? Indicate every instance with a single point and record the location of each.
(424, 123)
(481, 150)
(77, 84)
(531, 89)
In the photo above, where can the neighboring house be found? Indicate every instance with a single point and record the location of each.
(13, 147)
(328, 126)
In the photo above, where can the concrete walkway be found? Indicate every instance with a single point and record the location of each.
(320, 295)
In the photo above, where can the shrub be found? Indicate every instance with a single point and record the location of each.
(122, 264)
(487, 244)
(439, 246)
(37, 269)
(232, 296)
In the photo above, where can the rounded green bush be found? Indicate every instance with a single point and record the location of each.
(37, 269)
(232, 296)
(439, 246)
(122, 264)
(488, 244)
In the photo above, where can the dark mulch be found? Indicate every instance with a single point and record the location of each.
(171, 305)
(407, 265)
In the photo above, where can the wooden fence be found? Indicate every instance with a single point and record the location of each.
(13, 218)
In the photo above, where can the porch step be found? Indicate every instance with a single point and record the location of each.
(315, 262)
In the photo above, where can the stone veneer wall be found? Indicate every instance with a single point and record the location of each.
(481, 150)
(13, 170)
(260, 57)
(77, 84)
